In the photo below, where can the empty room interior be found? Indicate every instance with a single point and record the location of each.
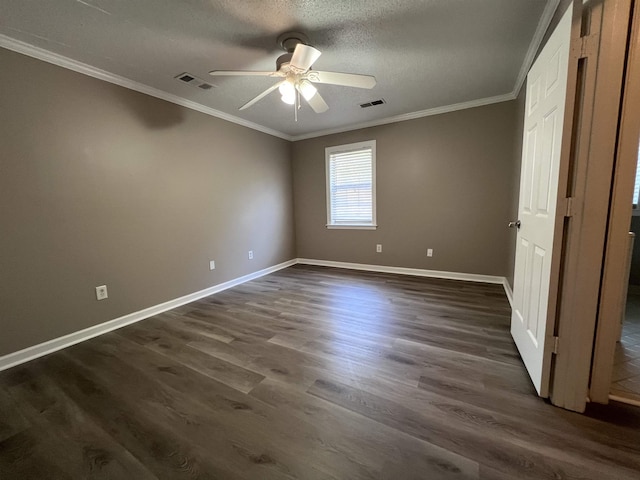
(319, 240)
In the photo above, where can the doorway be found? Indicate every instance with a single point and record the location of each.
(625, 379)
(615, 372)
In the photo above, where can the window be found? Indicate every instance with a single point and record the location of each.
(351, 185)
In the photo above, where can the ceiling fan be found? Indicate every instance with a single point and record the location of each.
(294, 67)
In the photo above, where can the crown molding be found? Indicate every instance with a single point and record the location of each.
(79, 67)
(536, 41)
(409, 116)
(68, 63)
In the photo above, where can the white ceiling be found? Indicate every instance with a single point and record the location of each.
(425, 54)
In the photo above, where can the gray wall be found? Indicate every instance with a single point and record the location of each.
(443, 182)
(103, 185)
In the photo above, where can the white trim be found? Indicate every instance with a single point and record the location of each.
(68, 63)
(71, 64)
(628, 401)
(508, 291)
(349, 148)
(31, 353)
(409, 116)
(352, 227)
(536, 41)
(538, 36)
(418, 272)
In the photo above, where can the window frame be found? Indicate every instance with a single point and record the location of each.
(351, 147)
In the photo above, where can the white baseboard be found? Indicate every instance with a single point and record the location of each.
(468, 277)
(508, 291)
(31, 353)
(621, 399)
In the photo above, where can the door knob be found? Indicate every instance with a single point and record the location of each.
(515, 224)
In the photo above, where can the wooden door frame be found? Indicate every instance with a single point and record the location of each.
(615, 272)
(596, 68)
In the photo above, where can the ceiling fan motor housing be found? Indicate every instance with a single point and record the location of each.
(282, 59)
(289, 40)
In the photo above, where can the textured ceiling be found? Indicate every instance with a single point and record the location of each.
(424, 54)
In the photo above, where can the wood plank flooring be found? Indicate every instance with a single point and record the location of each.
(308, 373)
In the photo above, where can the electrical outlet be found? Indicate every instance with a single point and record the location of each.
(250, 254)
(429, 252)
(379, 248)
(212, 265)
(101, 292)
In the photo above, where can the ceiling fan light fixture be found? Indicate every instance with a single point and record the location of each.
(288, 92)
(289, 100)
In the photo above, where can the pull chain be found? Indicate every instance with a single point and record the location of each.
(296, 106)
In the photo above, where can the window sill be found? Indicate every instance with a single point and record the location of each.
(352, 227)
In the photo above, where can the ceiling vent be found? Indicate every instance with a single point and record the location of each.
(194, 81)
(373, 103)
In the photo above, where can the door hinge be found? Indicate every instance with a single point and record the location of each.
(569, 207)
(587, 46)
(556, 340)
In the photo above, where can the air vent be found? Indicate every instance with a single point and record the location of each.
(372, 103)
(194, 81)
(186, 78)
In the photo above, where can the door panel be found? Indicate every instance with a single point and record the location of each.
(537, 281)
(551, 140)
(528, 165)
(546, 91)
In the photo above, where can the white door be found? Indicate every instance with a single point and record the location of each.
(544, 115)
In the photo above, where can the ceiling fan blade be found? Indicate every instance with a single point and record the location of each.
(318, 104)
(312, 96)
(304, 56)
(344, 79)
(261, 96)
(235, 73)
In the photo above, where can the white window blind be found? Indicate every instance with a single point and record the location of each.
(351, 185)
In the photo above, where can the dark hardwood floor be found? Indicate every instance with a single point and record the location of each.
(308, 373)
